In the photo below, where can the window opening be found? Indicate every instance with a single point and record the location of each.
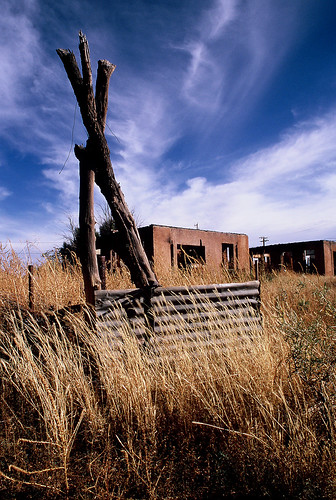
(172, 254)
(228, 255)
(309, 260)
(190, 255)
(287, 260)
(267, 258)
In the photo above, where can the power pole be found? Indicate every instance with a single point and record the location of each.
(263, 239)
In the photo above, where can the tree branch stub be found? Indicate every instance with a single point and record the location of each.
(104, 72)
(85, 60)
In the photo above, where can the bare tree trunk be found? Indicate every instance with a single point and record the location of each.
(97, 155)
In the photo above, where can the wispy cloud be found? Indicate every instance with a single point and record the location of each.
(205, 75)
(236, 50)
(218, 17)
(142, 121)
(34, 122)
(141, 128)
(18, 57)
(31, 81)
(287, 188)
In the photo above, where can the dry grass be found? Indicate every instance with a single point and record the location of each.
(198, 275)
(253, 420)
(55, 286)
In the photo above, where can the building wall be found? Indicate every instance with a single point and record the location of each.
(295, 256)
(330, 257)
(162, 245)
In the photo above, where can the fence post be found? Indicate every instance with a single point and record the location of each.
(102, 270)
(256, 270)
(31, 287)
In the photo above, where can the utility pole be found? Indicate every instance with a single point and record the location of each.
(263, 239)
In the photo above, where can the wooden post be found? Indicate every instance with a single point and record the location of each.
(31, 301)
(256, 269)
(97, 154)
(87, 238)
(102, 270)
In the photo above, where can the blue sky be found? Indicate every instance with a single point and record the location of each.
(222, 113)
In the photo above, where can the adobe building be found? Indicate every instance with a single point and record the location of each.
(175, 246)
(307, 256)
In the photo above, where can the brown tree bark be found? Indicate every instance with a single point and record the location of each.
(97, 155)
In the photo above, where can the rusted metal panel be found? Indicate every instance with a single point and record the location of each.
(198, 316)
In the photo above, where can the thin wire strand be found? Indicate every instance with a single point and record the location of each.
(72, 139)
(112, 132)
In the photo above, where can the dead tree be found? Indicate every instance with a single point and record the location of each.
(96, 156)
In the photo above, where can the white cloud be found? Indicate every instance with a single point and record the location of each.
(30, 237)
(64, 180)
(4, 193)
(144, 125)
(287, 191)
(303, 154)
(32, 80)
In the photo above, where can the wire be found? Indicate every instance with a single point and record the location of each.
(72, 139)
(112, 132)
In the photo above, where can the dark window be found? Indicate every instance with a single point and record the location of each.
(309, 260)
(287, 260)
(228, 255)
(190, 255)
(267, 259)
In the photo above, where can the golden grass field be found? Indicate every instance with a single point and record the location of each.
(254, 420)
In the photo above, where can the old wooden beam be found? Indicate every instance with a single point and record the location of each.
(102, 270)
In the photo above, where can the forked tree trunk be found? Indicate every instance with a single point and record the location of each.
(96, 154)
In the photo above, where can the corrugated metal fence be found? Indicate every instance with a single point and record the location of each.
(204, 313)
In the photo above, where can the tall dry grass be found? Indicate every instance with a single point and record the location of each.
(198, 274)
(55, 286)
(253, 419)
